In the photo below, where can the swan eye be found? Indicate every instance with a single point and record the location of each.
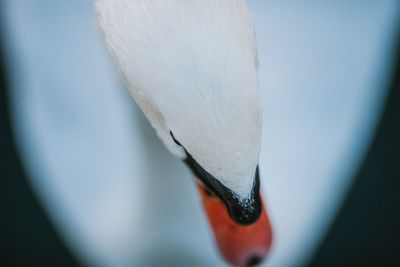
(173, 138)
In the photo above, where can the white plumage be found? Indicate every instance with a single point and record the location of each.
(192, 68)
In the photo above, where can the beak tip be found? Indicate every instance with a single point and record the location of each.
(244, 244)
(253, 260)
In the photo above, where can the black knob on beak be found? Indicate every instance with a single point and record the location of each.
(246, 211)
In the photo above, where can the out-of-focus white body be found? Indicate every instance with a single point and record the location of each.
(191, 67)
(118, 198)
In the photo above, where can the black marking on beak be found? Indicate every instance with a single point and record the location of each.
(244, 212)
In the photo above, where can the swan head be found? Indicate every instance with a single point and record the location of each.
(192, 70)
(191, 66)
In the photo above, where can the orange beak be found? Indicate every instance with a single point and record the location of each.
(240, 245)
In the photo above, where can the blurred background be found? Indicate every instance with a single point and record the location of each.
(86, 182)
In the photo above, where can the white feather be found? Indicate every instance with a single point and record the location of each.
(191, 67)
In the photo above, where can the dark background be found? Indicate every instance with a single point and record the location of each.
(364, 233)
(27, 238)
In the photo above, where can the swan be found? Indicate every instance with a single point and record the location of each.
(191, 66)
(74, 129)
